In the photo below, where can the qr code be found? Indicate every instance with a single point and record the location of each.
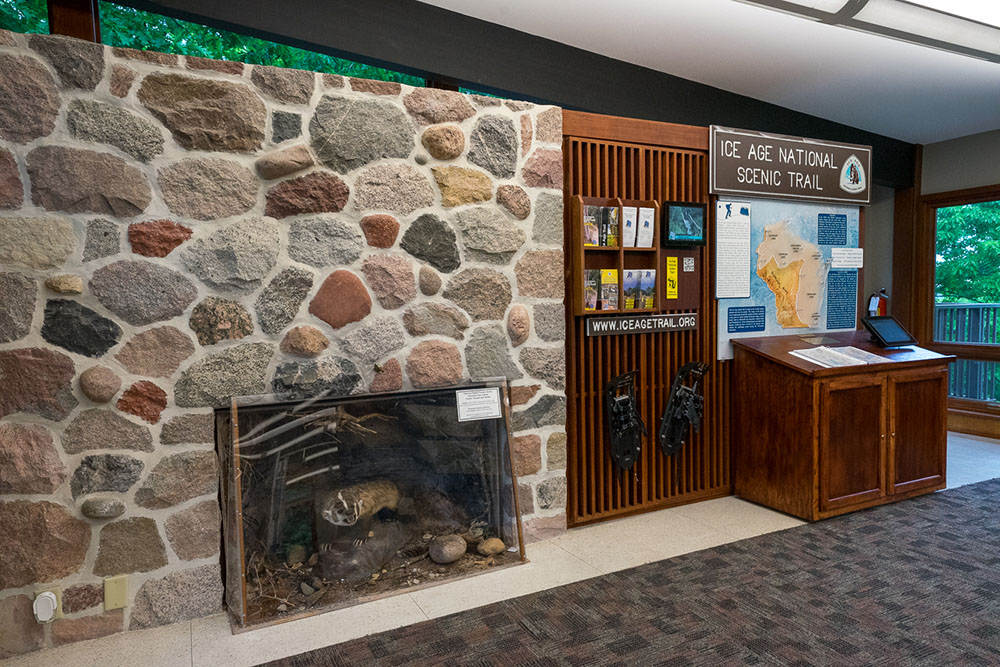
(688, 264)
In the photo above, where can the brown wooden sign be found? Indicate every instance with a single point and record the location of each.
(750, 163)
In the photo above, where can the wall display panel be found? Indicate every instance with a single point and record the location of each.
(798, 279)
(605, 168)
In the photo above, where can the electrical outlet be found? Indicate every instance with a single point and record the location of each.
(58, 594)
(115, 592)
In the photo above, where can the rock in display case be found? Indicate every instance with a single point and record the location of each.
(330, 502)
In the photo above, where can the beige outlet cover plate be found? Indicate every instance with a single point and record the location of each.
(115, 592)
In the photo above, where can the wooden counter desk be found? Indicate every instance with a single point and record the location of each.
(816, 442)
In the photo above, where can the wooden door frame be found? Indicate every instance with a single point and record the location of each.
(964, 415)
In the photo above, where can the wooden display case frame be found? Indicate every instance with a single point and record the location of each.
(617, 257)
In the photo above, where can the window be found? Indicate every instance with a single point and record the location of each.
(137, 29)
(27, 16)
(967, 294)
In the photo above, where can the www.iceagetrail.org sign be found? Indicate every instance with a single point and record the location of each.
(746, 162)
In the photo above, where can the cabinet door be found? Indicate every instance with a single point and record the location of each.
(852, 441)
(918, 404)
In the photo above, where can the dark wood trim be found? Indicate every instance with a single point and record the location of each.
(978, 419)
(634, 130)
(904, 249)
(966, 196)
(75, 18)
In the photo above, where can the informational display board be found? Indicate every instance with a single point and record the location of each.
(795, 286)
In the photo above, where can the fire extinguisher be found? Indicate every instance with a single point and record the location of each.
(878, 303)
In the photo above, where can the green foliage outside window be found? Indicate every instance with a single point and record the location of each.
(25, 16)
(968, 253)
(125, 26)
(133, 28)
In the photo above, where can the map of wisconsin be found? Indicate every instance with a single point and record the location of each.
(795, 271)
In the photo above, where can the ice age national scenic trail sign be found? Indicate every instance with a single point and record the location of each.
(751, 163)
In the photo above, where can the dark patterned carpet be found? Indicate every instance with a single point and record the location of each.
(914, 583)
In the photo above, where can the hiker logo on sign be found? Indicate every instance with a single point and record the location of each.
(852, 176)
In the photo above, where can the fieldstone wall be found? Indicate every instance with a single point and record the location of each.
(175, 231)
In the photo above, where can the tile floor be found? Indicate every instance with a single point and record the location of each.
(578, 554)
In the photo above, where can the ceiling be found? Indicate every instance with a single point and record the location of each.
(892, 88)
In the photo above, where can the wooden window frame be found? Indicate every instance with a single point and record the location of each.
(964, 415)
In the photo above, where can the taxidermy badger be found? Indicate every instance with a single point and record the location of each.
(361, 502)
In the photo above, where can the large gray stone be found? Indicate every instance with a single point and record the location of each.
(104, 429)
(36, 243)
(487, 354)
(130, 545)
(79, 63)
(394, 187)
(482, 293)
(179, 596)
(547, 364)
(549, 410)
(178, 478)
(435, 319)
(327, 376)
(195, 532)
(235, 258)
(550, 321)
(493, 145)
(374, 340)
(293, 86)
(552, 493)
(548, 226)
(189, 429)
(323, 242)
(103, 240)
(235, 371)
(285, 125)
(29, 101)
(73, 326)
(81, 181)
(205, 114)
(279, 302)
(89, 120)
(141, 292)
(105, 472)
(488, 235)
(430, 106)
(431, 239)
(208, 188)
(17, 306)
(348, 133)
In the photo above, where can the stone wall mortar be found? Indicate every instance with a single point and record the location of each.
(418, 160)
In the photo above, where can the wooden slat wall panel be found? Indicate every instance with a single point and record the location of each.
(597, 491)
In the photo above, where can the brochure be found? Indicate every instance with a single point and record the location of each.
(591, 218)
(591, 288)
(644, 232)
(647, 289)
(610, 235)
(629, 214)
(609, 290)
(631, 287)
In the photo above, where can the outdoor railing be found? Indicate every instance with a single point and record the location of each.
(970, 323)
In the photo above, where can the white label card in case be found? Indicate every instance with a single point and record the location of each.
(475, 404)
(847, 258)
